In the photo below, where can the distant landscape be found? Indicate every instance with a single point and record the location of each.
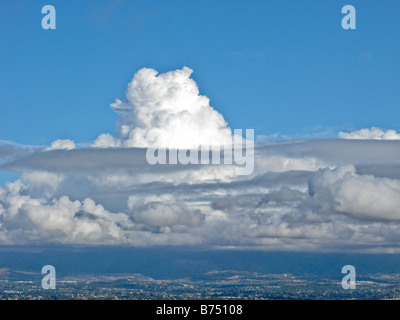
(180, 273)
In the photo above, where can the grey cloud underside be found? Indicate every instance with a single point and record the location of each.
(89, 160)
(303, 195)
(357, 152)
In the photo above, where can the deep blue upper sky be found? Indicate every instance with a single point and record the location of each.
(275, 66)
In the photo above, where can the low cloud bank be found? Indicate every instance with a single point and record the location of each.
(310, 195)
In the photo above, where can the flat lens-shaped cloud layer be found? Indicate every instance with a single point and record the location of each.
(373, 133)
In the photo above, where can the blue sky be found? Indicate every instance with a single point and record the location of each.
(275, 66)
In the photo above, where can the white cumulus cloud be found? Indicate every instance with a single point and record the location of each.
(166, 107)
(311, 194)
(361, 196)
(62, 144)
(372, 133)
